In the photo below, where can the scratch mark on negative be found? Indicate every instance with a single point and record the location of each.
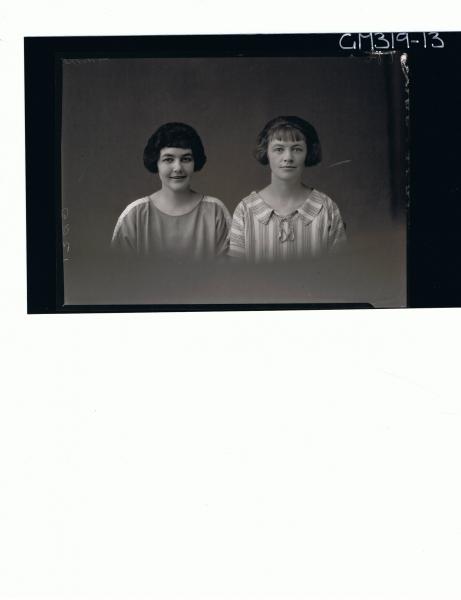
(341, 162)
(380, 54)
(405, 69)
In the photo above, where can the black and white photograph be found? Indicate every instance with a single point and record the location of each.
(193, 197)
(235, 180)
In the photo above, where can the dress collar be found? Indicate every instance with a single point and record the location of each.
(307, 211)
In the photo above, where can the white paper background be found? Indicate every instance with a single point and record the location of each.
(235, 455)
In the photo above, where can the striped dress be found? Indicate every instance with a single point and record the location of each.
(259, 234)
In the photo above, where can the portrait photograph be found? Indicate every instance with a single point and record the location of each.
(234, 180)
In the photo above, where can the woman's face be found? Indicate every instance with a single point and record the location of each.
(175, 168)
(286, 158)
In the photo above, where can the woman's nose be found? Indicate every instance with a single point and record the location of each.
(177, 165)
(287, 155)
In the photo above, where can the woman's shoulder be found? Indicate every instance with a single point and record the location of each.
(319, 196)
(216, 203)
(127, 221)
(322, 199)
(249, 202)
(135, 206)
(213, 201)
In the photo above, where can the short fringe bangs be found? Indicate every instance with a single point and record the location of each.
(286, 133)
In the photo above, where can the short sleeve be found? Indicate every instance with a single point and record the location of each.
(337, 232)
(237, 234)
(124, 238)
(223, 223)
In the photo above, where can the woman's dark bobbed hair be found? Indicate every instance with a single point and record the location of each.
(289, 128)
(173, 135)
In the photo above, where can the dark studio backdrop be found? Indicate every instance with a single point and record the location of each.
(111, 106)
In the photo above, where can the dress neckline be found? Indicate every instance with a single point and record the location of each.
(269, 207)
(162, 212)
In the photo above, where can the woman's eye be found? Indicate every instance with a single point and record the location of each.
(187, 159)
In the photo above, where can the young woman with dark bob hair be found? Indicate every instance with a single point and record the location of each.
(287, 219)
(174, 221)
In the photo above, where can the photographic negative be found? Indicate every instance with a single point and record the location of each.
(230, 172)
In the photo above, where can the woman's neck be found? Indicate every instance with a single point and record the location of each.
(284, 196)
(175, 203)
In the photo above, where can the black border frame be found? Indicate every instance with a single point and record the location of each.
(434, 215)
